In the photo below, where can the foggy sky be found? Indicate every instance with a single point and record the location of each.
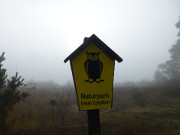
(37, 35)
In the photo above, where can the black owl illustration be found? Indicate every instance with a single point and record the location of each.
(93, 67)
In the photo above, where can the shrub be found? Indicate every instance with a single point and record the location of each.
(9, 94)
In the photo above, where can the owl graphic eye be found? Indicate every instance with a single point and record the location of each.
(90, 57)
(95, 57)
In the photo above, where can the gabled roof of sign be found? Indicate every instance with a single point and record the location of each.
(94, 39)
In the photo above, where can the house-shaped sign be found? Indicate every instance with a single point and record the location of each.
(92, 65)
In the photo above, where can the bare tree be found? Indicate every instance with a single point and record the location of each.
(64, 103)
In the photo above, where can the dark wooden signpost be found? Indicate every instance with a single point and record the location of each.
(92, 65)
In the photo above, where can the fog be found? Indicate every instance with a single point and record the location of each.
(37, 35)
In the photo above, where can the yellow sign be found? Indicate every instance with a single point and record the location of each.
(93, 75)
(93, 71)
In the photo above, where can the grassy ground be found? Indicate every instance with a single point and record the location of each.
(136, 111)
(142, 121)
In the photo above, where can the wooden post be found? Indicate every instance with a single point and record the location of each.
(93, 122)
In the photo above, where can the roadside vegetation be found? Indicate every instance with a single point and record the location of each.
(152, 109)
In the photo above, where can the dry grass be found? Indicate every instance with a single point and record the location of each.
(153, 113)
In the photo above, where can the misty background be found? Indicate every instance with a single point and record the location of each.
(37, 35)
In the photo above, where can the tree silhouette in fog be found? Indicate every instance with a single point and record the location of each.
(170, 70)
(9, 94)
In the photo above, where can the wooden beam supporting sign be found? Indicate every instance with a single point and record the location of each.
(92, 66)
(94, 122)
